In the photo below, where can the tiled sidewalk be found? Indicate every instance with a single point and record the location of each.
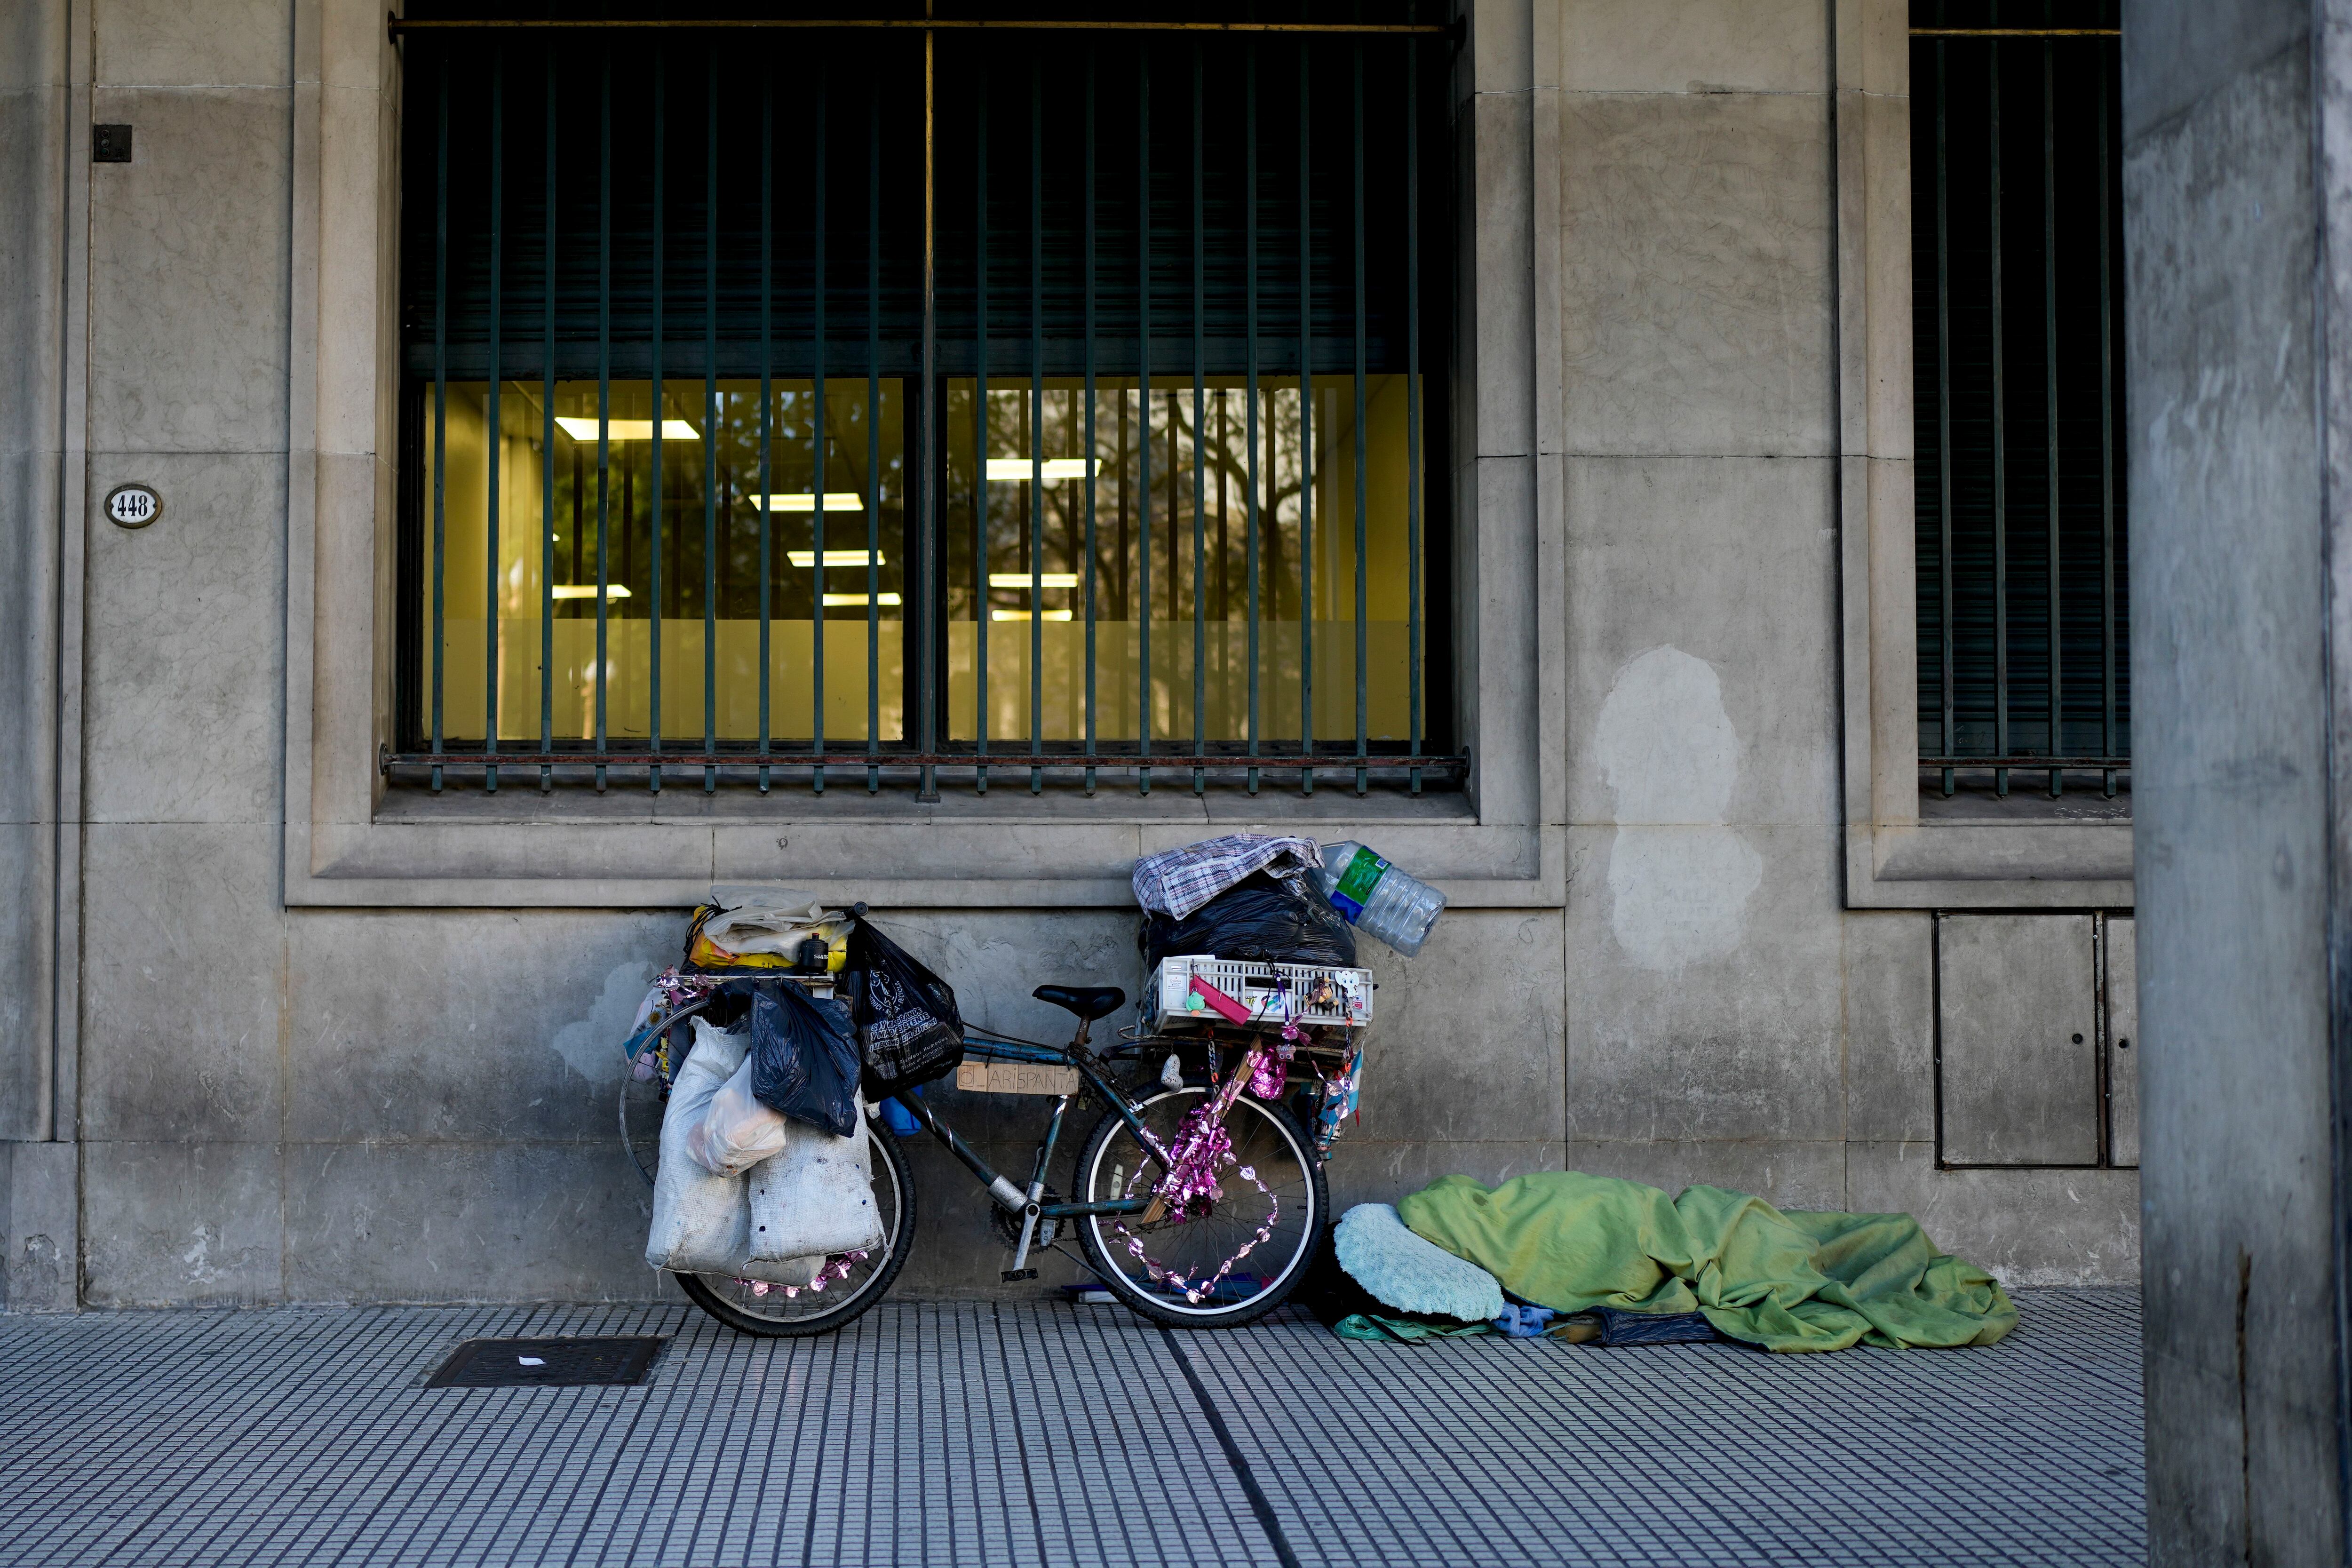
(968, 1433)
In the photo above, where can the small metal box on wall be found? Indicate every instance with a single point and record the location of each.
(2017, 1052)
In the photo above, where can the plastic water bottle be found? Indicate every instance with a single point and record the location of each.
(1377, 898)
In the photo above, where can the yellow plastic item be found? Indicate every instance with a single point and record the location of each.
(708, 954)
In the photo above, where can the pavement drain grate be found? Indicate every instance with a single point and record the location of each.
(547, 1363)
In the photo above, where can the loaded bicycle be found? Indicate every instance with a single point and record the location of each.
(1198, 1197)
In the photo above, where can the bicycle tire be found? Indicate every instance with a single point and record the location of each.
(710, 1297)
(1088, 1184)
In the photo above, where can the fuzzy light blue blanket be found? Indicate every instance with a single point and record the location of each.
(1402, 1270)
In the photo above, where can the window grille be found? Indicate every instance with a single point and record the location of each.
(923, 400)
(2017, 268)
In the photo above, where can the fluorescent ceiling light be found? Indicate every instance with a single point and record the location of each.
(1021, 580)
(859, 599)
(629, 429)
(804, 501)
(1023, 614)
(833, 558)
(1013, 469)
(588, 591)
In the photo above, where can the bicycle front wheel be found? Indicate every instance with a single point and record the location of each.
(852, 1282)
(1222, 1261)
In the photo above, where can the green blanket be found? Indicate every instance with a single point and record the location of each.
(1785, 1281)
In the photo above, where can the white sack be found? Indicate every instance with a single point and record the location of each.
(737, 1132)
(702, 1222)
(817, 1196)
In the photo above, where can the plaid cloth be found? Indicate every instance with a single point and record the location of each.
(1178, 882)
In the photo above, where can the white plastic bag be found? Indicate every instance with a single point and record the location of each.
(702, 1223)
(815, 1197)
(773, 920)
(737, 1132)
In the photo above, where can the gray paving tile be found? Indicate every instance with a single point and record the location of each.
(969, 1433)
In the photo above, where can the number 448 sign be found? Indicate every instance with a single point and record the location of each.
(133, 506)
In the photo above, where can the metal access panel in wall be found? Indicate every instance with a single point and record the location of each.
(2122, 981)
(2017, 1025)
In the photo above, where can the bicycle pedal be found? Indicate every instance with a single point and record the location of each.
(1010, 1275)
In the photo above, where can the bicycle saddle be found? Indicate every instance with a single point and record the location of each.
(1088, 1002)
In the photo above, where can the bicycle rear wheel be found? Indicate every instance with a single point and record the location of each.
(851, 1284)
(1228, 1260)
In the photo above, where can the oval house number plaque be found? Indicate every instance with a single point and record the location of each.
(133, 506)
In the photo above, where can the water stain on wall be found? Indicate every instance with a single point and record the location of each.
(1679, 876)
(591, 1046)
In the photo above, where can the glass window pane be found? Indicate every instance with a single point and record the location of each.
(627, 507)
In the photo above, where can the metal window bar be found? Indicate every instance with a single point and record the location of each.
(979, 498)
(1033, 500)
(931, 604)
(490, 423)
(2106, 463)
(1975, 142)
(710, 422)
(819, 440)
(547, 447)
(602, 673)
(1199, 446)
(1356, 209)
(1306, 431)
(657, 493)
(397, 26)
(766, 404)
(1999, 434)
(873, 437)
(1249, 243)
(1143, 415)
(1414, 671)
(1091, 449)
(440, 402)
(668, 568)
(2055, 590)
(1944, 409)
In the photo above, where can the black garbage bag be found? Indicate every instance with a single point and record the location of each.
(1262, 918)
(1619, 1326)
(906, 1014)
(803, 1056)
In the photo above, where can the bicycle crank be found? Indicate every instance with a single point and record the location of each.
(1006, 1223)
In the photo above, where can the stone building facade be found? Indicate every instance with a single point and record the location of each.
(280, 1026)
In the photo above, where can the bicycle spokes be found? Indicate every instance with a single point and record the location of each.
(1196, 1163)
(1197, 1287)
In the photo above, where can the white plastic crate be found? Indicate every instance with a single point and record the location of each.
(1274, 993)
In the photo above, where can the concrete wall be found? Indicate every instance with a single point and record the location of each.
(2235, 122)
(40, 434)
(280, 1104)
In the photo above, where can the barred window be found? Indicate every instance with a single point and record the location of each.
(907, 402)
(2017, 274)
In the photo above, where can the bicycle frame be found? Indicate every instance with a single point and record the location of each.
(1029, 1203)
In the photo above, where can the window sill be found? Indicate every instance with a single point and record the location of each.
(1060, 848)
(2004, 862)
(682, 801)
